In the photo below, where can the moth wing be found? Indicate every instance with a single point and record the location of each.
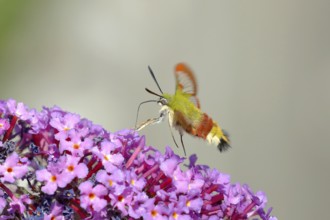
(185, 79)
(195, 100)
(186, 82)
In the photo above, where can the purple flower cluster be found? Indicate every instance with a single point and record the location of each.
(56, 165)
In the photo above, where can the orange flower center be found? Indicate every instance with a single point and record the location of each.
(76, 146)
(106, 157)
(91, 196)
(53, 178)
(70, 168)
(154, 213)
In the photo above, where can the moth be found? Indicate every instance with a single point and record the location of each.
(184, 112)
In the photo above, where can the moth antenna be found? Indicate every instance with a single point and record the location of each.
(151, 92)
(153, 76)
(137, 113)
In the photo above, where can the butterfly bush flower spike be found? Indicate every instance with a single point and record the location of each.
(56, 165)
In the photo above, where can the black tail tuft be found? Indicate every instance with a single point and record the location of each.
(223, 146)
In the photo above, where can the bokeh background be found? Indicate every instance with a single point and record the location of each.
(262, 68)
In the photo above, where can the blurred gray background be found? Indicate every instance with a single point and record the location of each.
(262, 69)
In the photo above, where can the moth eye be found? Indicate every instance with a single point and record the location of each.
(162, 102)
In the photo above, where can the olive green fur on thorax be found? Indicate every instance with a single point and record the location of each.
(180, 102)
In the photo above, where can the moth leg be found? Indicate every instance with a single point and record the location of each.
(151, 121)
(184, 149)
(173, 135)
